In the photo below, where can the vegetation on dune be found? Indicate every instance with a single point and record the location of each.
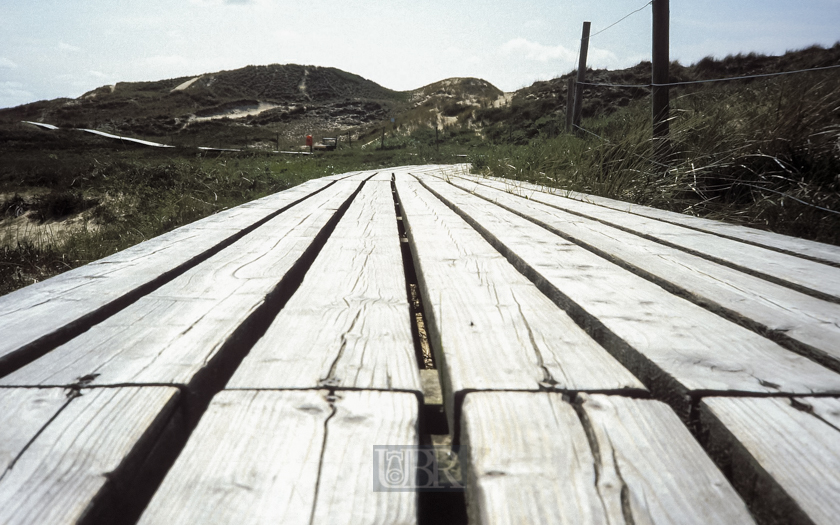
(73, 199)
(763, 152)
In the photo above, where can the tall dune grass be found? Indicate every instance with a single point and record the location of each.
(765, 154)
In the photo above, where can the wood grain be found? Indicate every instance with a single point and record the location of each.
(526, 459)
(170, 336)
(490, 328)
(80, 465)
(675, 346)
(530, 458)
(47, 308)
(808, 325)
(348, 325)
(645, 450)
(23, 413)
(784, 460)
(289, 457)
(808, 276)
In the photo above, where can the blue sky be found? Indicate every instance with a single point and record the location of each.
(63, 48)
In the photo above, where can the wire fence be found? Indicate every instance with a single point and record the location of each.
(689, 82)
(621, 20)
(727, 79)
(651, 85)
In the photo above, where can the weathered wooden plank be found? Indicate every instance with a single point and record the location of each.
(47, 309)
(808, 324)
(526, 459)
(808, 276)
(675, 346)
(530, 458)
(827, 409)
(340, 176)
(348, 325)
(176, 334)
(491, 329)
(643, 446)
(781, 455)
(792, 245)
(360, 176)
(23, 413)
(386, 174)
(289, 457)
(81, 463)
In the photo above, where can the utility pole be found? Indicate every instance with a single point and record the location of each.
(581, 74)
(660, 75)
(570, 103)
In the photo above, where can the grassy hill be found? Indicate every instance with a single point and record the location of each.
(248, 107)
(761, 152)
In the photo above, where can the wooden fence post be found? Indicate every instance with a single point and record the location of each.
(660, 103)
(570, 103)
(581, 74)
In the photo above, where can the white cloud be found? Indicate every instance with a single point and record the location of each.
(12, 94)
(208, 3)
(525, 49)
(604, 58)
(166, 61)
(5, 62)
(67, 47)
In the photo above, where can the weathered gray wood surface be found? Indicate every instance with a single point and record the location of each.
(531, 458)
(75, 459)
(805, 323)
(47, 308)
(783, 457)
(289, 457)
(348, 325)
(675, 346)
(336, 372)
(171, 335)
(490, 327)
(783, 243)
(809, 276)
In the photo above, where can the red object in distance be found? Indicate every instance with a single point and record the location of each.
(309, 140)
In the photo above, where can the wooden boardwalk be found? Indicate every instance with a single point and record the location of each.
(597, 362)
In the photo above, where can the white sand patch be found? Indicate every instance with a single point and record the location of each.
(302, 85)
(240, 112)
(185, 85)
(503, 100)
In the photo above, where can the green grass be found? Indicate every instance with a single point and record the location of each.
(764, 154)
(85, 198)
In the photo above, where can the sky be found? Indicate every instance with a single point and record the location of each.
(64, 48)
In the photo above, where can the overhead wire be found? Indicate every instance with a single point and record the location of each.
(621, 20)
